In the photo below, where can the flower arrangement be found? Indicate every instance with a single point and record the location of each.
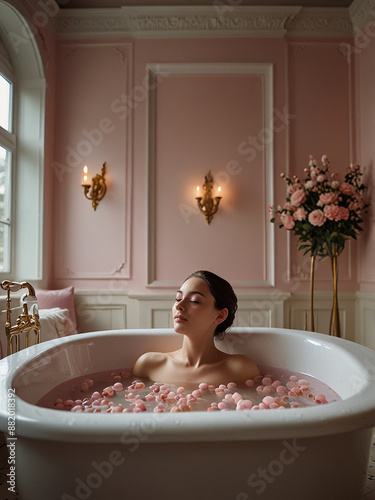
(322, 211)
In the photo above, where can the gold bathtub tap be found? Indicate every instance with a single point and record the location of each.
(26, 322)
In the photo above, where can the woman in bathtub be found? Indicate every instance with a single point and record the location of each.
(205, 307)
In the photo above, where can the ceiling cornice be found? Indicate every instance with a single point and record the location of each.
(204, 21)
(220, 20)
(361, 13)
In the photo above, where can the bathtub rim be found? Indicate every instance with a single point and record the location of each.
(355, 412)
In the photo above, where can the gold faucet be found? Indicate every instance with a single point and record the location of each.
(26, 322)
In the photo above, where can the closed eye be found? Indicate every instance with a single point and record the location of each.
(178, 299)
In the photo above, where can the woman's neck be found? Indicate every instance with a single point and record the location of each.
(199, 351)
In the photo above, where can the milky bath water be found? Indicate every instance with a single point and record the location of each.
(119, 391)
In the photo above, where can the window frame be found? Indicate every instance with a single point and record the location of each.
(8, 141)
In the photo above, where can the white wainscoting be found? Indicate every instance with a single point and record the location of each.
(122, 309)
(297, 312)
(110, 310)
(365, 319)
(101, 310)
(107, 310)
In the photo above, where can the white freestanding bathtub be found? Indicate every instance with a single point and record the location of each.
(317, 452)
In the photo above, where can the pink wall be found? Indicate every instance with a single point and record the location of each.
(366, 103)
(320, 97)
(200, 121)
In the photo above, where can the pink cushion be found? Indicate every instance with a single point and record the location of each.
(64, 298)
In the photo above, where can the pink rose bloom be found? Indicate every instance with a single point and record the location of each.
(317, 218)
(343, 213)
(287, 220)
(347, 189)
(313, 172)
(321, 178)
(328, 198)
(300, 214)
(335, 184)
(298, 198)
(309, 185)
(293, 188)
(332, 212)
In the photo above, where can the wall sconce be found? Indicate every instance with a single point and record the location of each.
(207, 204)
(98, 186)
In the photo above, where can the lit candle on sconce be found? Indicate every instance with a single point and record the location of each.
(85, 176)
(94, 189)
(207, 204)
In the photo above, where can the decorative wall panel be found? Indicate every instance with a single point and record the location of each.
(216, 117)
(93, 127)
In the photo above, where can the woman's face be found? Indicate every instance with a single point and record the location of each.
(194, 310)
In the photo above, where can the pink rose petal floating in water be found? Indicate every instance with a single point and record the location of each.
(123, 394)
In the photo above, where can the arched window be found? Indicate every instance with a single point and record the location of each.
(22, 114)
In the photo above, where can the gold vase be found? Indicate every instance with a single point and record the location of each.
(312, 270)
(334, 325)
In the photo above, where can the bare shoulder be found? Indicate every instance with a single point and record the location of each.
(148, 361)
(242, 367)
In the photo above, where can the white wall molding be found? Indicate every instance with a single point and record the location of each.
(365, 319)
(204, 21)
(66, 266)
